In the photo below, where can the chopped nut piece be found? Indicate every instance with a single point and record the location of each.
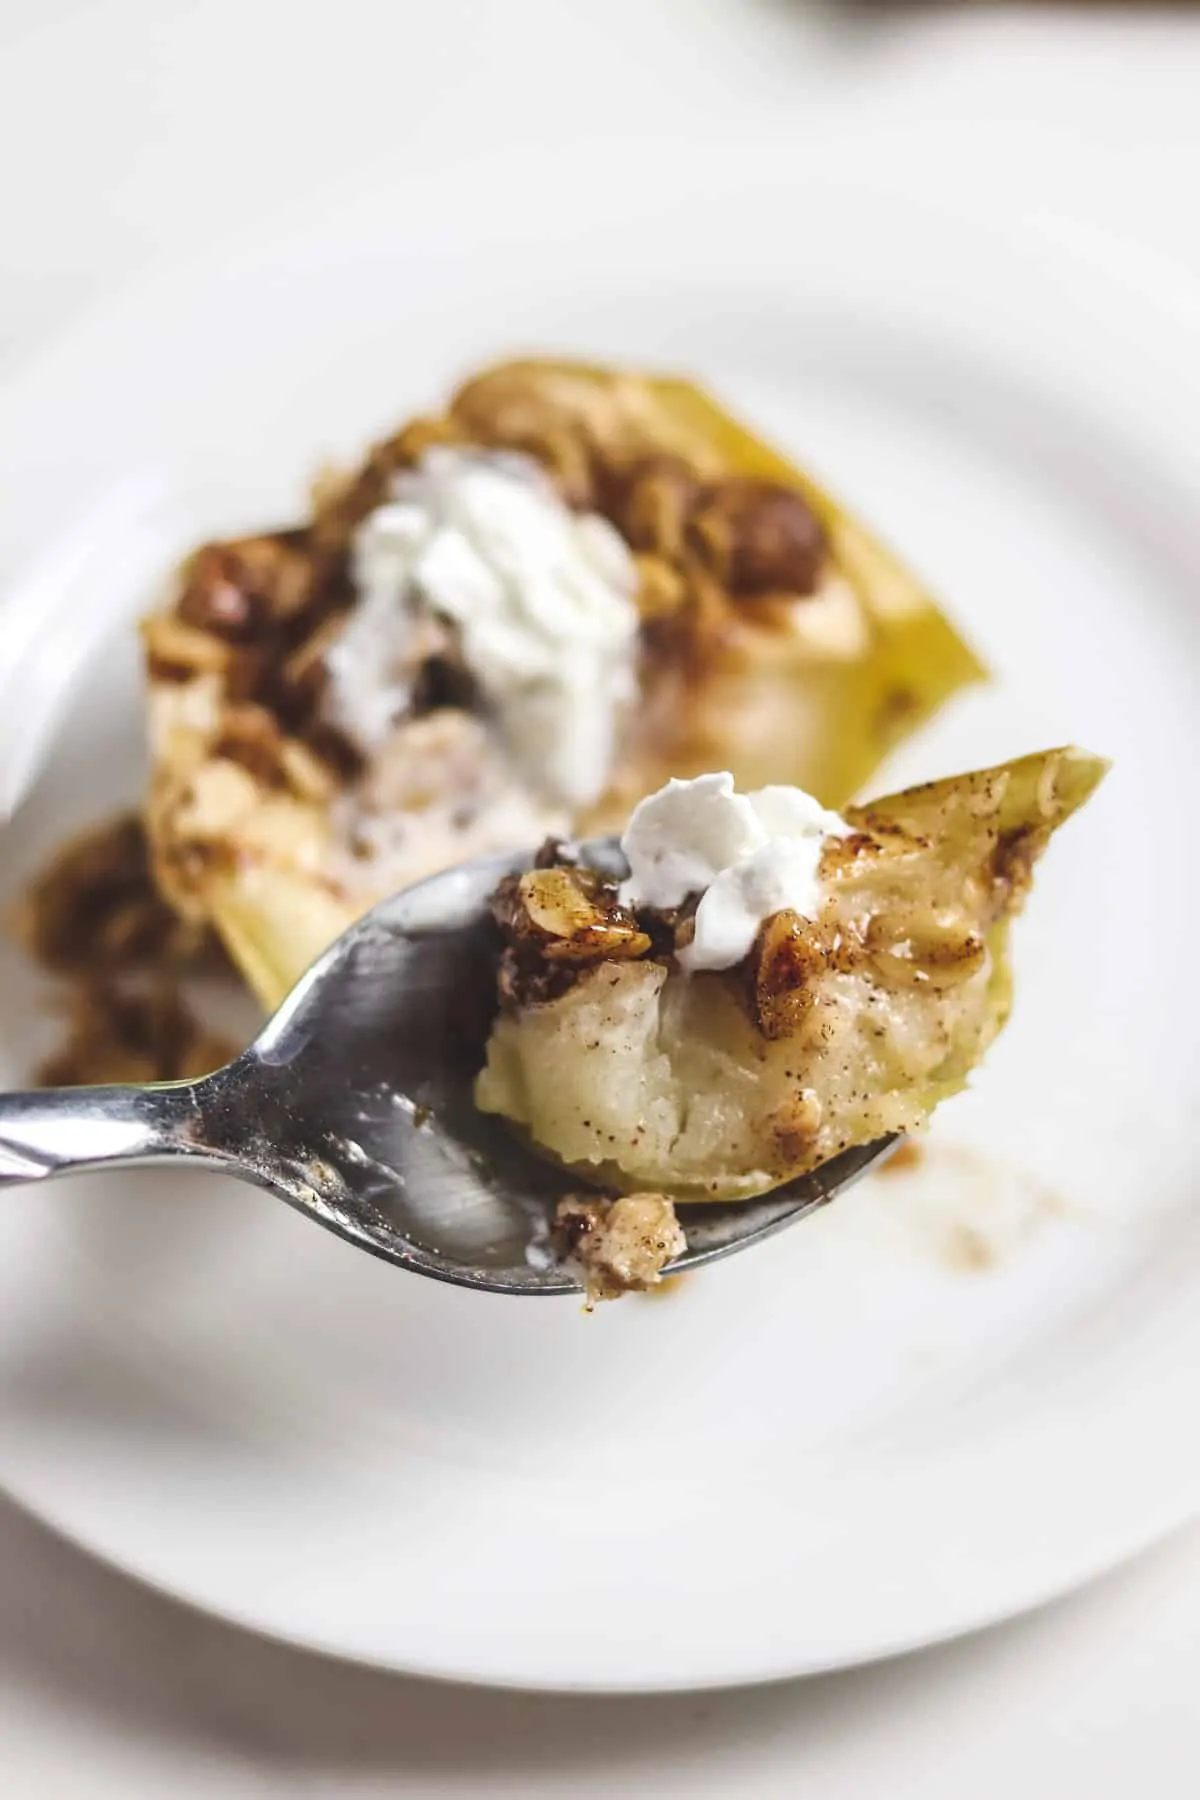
(785, 963)
(176, 651)
(796, 1126)
(501, 409)
(233, 589)
(930, 947)
(426, 432)
(250, 736)
(662, 590)
(576, 919)
(758, 537)
(557, 922)
(303, 672)
(621, 1246)
(653, 512)
(304, 773)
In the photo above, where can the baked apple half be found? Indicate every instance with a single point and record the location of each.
(518, 617)
(767, 984)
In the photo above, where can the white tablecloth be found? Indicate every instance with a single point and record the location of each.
(132, 129)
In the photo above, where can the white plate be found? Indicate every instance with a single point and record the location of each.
(849, 1442)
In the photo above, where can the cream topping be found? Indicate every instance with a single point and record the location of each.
(748, 856)
(538, 601)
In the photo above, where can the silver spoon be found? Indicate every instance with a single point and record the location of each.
(354, 1105)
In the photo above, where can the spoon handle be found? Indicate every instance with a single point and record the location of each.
(58, 1131)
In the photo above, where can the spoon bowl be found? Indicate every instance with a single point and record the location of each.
(354, 1104)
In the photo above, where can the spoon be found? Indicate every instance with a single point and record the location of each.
(354, 1104)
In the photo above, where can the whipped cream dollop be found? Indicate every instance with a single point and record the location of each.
(748, 856)
(478, 547)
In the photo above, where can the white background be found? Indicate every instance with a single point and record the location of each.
(132, 130)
